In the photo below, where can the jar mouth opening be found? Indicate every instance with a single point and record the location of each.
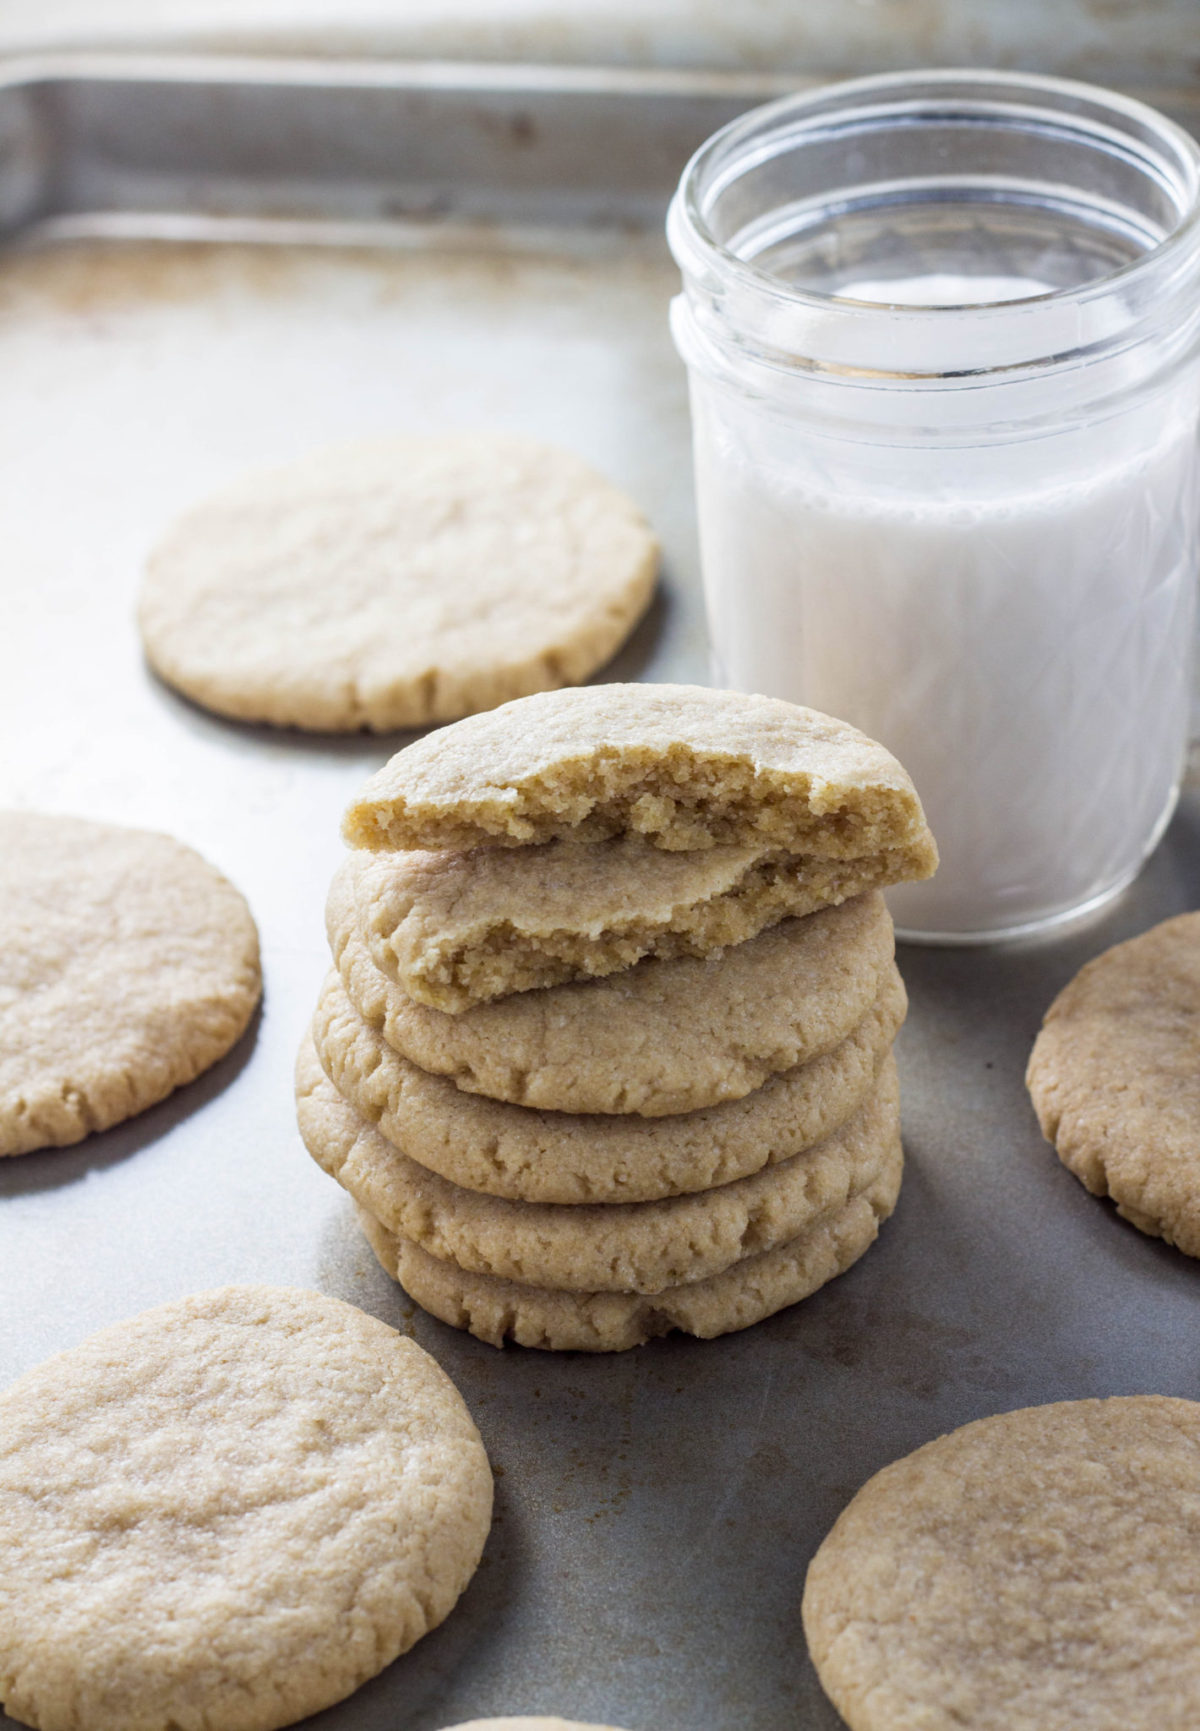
(1086, 202)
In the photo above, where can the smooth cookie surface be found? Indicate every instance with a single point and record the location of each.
(127, 966)
(1038, 1571)
(684, 765)
(529, 1155)
(498, 1310)
(454, 929)
(622, 1247)
(1115, 1079)
(227, 1513)
(662, 1037)
(397, 582)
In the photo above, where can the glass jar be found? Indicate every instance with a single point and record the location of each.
(943, 340)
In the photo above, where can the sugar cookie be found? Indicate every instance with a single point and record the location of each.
(498, 1310)
(127, 966)
(397, 582)
(599, 1247)
(657, 1039)
(1115, 1079)
(455, 929)
(228, 1512)
(539, 1156)
(1038, 1571)
(684, 765)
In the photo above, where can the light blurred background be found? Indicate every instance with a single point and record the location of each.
(1152, 46)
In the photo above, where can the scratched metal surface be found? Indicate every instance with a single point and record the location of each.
(656, 1510)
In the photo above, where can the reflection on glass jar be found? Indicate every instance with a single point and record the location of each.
(942, 333)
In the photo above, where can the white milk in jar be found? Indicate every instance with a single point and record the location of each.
(946, 463)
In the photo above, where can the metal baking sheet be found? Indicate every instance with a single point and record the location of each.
(214, 266)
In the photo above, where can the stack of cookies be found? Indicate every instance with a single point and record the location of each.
(606, 1050)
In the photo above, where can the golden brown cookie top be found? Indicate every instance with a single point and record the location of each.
(598, 1247)
(528, 1155)
(128, 965)
(395, 582)
(229, 1511)
(1115, 1078)
(1037, 1571)
(683, 765)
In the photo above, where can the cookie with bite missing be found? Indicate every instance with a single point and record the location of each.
(682, 765)
(456, 929)
(660, 1038)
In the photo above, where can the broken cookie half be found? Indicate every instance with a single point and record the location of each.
(684, 766)
(614, 997)
(659, 821)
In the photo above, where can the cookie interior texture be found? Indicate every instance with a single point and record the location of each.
(684, 766)
(1115, 1079)
(1037, 1571)
(228, 1512)
(660, 1038)
(456, 928)
(128, 965)
(623, 1247)
(496, 1310)
(397, 582)
(562, 1157)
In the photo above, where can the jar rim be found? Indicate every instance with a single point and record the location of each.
(1160, 144)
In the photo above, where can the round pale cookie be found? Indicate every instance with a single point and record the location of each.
(127, 966)
(397, 582)
(684, 765)
(1038, 1571)
(657, 1039)
(455, 929)
(599, 1247)
(228, 1513)
(524, 1723)
(498, 1310)
(567, 1157)
(1115, 1079)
